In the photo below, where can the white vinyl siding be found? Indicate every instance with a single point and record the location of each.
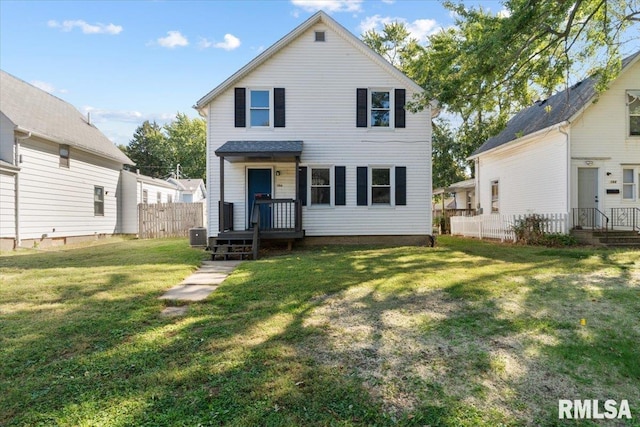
(7, 206)
(532, 177)
(321, 81)
(59, 202)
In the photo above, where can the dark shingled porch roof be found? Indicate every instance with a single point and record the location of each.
(260, 149)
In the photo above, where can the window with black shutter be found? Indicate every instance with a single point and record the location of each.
(399, 111)
(362, 186)
(341, 187)
(278, 108)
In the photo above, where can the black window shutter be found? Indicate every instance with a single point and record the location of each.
(400, 113)
(278, 107)
(341, 187)
(361, 108)
(302, 184)
(362, 186)
(401, 185)
(241, 107)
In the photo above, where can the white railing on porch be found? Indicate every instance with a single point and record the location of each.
(500, 227)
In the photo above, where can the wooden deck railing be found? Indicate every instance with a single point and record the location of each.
(279, 214)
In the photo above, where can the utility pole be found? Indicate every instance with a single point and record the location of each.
(178, 171)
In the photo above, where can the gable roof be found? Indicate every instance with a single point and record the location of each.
(33, 110)
(286, 40)
(189, 184)
(559, 108)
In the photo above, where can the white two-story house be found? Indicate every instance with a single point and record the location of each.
(576, 153)
(313, 136)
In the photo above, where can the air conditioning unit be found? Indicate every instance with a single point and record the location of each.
(198, 236)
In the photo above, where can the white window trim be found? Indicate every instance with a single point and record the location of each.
(261, 89)
(391, 107)
(95, 187)
(392, 185)
(628, 118)
(635, 185)
(332, 186)
(497, 182)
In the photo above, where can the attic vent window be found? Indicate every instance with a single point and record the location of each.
(319, 36)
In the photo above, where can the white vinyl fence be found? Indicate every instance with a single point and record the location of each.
(495, 226)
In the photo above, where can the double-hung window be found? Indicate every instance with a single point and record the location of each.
(259, 108)
(633, 104)
(98, 201)
(629, 184)
(380, 114)
(380, 186)
(320, 186)
(495, 197)
(145, 197)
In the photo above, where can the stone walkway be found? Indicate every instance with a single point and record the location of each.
(201, 283)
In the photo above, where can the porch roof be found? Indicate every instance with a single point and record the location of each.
(260, 150)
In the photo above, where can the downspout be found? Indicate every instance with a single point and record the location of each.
(17, 187)
(568, 179)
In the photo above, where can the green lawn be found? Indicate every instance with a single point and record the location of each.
(465, 334)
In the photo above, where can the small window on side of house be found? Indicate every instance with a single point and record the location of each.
(495, 208)
(145, 197)
(628, 184)
(159, 197)
(633, 105)
(98, 201)
(169, 198)
(319, 36)
(64, 155)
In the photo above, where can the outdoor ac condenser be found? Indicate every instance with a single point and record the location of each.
(198, 236)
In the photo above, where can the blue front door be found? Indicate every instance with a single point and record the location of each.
(259, 185)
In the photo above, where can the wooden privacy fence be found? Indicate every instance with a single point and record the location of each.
(494, 226)
(168, 219)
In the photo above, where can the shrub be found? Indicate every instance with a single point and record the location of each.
(530, 231)
(558, 240)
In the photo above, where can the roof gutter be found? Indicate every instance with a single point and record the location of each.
(70, 143)
(522, 139)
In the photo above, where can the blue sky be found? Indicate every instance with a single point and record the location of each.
(130, 61)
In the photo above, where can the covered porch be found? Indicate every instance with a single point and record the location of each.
(269, 207)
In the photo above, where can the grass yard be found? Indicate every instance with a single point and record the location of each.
(465, 334)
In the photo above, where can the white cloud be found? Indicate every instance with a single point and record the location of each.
(230, 42)
(504, 13)
(389, 1)
(86, 28)
(329, 5)
(419, 29)
(173, 39)
(123, 116)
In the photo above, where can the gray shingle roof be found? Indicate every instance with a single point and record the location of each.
(552, 111)
(47, 116)
(260, 148)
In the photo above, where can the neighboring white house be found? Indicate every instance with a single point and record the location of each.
(576, 153)
(317, 123)
(58, 173)
(142, 189)
(190, 190)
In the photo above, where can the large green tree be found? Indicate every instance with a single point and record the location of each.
(176, 149)
(187, 140)
(149, 150)
(489, 65)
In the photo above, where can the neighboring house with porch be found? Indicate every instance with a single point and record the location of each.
(313, 137)
(59, 174)
(576, 153)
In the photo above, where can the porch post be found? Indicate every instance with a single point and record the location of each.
(296, 177)
(221, 202)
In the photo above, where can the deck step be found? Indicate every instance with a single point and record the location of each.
(232, 248)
